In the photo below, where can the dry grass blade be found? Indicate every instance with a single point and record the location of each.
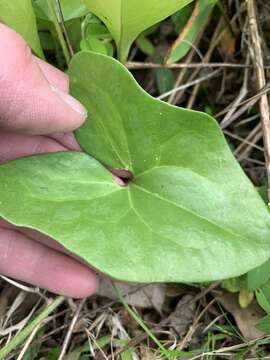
(70, 329)
(257, 57)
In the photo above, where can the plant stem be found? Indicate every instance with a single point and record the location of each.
(141, 322)
(51, 4)
(19, 338)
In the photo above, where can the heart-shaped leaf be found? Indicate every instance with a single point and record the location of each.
(189, 214)
(127, 19)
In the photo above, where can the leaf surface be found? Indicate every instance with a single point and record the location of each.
(19, 15)
(127, 19)
(190, 214)
(191, 30)
(71, 9)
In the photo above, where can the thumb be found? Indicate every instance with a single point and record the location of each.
(28, 102)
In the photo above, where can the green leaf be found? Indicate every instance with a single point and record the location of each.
(145, 45)
(94, 44)
(71, 9)
(233, 284)
(97, 38)
(264, 325)
(190, 214)
(258, 276)
(263, 300)
(189, 33)
(165, 80)
(126, 19)
(19, 15)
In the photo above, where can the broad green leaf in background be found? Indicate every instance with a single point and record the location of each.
(71, 9)
(263, 299)
(259, 276)
(127, 19)
(233, 284)
(190, 30)
(190, 214)
(145, 45)
(97, 38)
(19, 15)
(264, 325)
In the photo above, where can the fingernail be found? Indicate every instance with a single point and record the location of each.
(71, 101)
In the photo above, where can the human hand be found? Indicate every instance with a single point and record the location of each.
(36, 116)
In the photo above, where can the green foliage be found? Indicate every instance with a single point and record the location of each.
(71, 9)
(127, 19)
(264, 325)
(259, 276)
(19, 15)
(97, 38)
(262, 296)
(200, 15)
(145, 45)
(164, 79)
(188, 210)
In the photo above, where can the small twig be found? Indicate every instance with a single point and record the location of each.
(234, 136)
(228, 118)
(243, 149)
(70, 330)
(191, 83)
(135, 65)
(193, 327)
(257, 57)
(246, 104)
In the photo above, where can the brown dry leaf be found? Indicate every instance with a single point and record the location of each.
(146, 353)
(181, 318)
(247, 318)
(139, 295)
(227, 44)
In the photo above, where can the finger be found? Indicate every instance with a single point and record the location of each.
(27, 260)
(36, 236)
(66, 139)
(14, 145)
(41, 238)
(28, 102)
(55, 77)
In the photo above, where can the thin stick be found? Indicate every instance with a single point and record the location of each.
(28, 342)
(70, 330)
(250, 138)
(135, 65)
(191, 83)
(234, 136)
(228, 118)
(257, 57)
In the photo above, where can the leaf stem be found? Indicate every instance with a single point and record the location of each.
(19, 338)
(52, 8)
(141, 322)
